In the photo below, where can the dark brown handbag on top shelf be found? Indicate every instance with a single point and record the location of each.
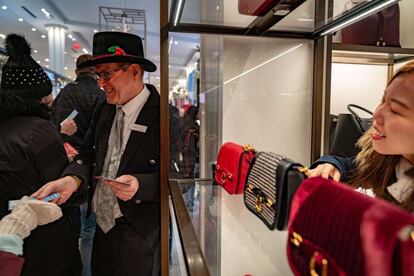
(271, 182)
(379, 29)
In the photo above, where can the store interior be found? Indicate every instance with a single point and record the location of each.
(272, 81)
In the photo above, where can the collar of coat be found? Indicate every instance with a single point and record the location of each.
(12, 106)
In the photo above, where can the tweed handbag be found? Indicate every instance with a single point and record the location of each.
(271, 182)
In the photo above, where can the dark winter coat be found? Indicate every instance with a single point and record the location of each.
(83, 95)
(31, 154)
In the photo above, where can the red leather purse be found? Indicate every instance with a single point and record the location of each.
(233, 163)
(334, 230)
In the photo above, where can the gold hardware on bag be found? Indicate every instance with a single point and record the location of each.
(312, 264)
(223, 178)
(304, 170)
(248, 148)
(412, 236)
(259, 203)
(269, 203)
(297, 239)
(250, 188)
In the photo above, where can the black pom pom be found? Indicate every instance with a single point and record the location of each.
(17, 46)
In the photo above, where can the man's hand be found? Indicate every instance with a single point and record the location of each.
(326, 170)
(123, 191)
(68, 127)
(66, 186)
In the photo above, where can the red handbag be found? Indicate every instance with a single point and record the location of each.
(256, 7)
(334, 230)
(233, 163)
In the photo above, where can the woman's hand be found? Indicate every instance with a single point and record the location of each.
(66, 186)
(326, 170)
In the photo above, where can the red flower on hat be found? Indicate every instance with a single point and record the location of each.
(118, 51)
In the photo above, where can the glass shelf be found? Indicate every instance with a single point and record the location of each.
(303, 17)
(364, 54)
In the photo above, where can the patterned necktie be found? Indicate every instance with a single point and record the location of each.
(105, 209)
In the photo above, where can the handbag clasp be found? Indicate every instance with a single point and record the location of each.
(297, 239)
(248, 148)
(304, 170)
(312, 264)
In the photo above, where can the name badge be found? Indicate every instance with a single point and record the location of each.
(137, 127)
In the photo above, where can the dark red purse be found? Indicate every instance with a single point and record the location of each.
(327, 235)
(233, 163)
(379, 29)
(256, 7)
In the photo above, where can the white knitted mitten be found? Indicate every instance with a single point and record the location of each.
(27, 215)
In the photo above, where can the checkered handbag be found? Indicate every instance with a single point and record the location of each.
(271, 182)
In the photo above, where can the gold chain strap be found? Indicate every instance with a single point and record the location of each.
(248, 148)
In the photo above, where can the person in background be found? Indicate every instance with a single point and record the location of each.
(32, 154)
(17, 225)
(385, 163)
(82, 95)
(122, 143)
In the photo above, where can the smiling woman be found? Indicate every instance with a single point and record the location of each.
(385, 163)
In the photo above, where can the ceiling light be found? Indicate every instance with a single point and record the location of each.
(38, 61)
(34, 51)
(20, 19)
(95, 31)
(73, 39)
(356, 18)
(47, 65)
(218, 7)
(2, 36)
(66, 68)
(169, 66)
(34, 29)
(46, 59)
(85, 51)
(43, 36)
(4, 7)
(66, 53)
(175, 42)
(70, 36)
(46, 13)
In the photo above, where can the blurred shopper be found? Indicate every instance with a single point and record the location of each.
(32, 154)
(385, 163)
(82, 95)
(122, 143)
(190, 142)
(17, 225)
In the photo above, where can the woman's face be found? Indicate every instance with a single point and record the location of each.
(393, 132)
(47, 100)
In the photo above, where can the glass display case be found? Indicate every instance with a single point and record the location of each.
(266, 81)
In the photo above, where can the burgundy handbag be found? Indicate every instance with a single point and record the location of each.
(256, 7)
(233, 163)
(379, 29)
(327, 236)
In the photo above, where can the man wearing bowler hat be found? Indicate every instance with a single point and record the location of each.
(122, 143)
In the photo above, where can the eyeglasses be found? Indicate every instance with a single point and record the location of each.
(106, 76)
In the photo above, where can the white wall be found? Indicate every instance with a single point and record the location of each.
(358, 84)
(267, 103)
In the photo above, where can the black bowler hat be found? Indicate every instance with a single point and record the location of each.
(109, 47)
(21, 74)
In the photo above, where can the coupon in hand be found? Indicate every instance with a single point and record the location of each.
(113, 180)
(71, 116)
